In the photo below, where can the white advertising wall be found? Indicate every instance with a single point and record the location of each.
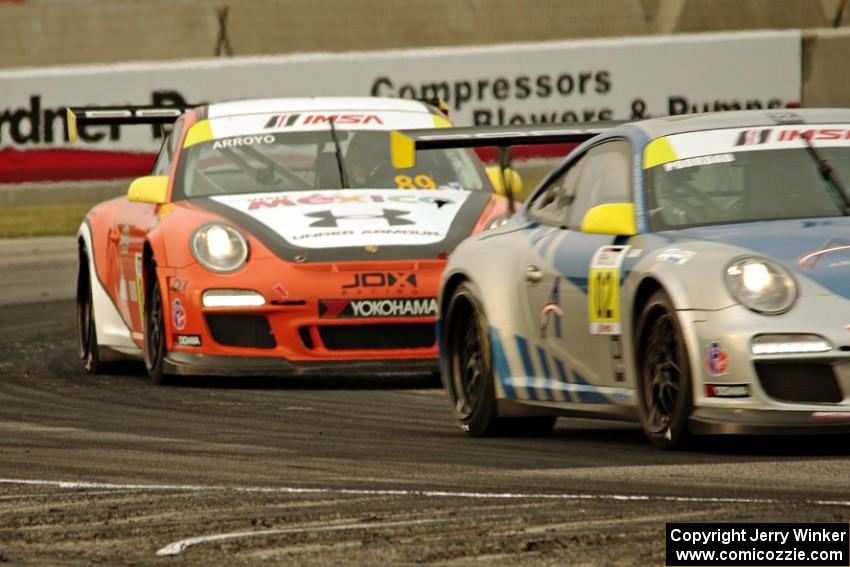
(568, 81)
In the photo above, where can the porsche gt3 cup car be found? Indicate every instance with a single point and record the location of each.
(275, 237)
(692, 273)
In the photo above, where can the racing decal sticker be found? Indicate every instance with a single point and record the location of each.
(321, 119)
(243, 141)
(178, 315)
(140, 286)
(551, 311)
(370, 308)
(273, 200)
(603, 290)
(352, 217)
(727, 390)
(189, 340)
(124, 241)
(326, 219)
(698, 161)
(392, 281)
(281, 291)
(834, 254)
(415, 182)
(716, 359)
(179, 285)
(615, 348)
(675, 256)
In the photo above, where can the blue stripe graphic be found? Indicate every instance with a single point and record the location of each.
(522, 345)
(586, 393)
(500, 363)
(544, 367)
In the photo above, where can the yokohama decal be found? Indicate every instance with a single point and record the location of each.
(371, 308)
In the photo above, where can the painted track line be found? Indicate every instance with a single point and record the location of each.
(179, 546)
(419, 493)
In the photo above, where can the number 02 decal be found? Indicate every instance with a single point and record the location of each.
(603, 290)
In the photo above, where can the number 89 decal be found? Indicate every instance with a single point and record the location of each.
(603, 290)
(417, 182)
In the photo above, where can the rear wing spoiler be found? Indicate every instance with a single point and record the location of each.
(404, 143)
(109, 115)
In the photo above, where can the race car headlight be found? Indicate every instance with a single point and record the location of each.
(219, 248)
(761, 285)
(498, 221)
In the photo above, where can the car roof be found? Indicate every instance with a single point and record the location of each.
(657, 127)
(308, 104)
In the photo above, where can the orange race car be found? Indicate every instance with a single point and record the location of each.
(276, 237)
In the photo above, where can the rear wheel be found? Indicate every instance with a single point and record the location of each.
(469, 376)
(664, 382)
(154, 331)
(87, 347)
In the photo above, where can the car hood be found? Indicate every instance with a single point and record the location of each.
(354, 224)
(818, 249)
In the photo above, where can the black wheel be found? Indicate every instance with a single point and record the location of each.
(87, 347)
(664, 380)
(154, 325)
(468, 372)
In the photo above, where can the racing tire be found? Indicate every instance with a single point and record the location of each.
(468, 372)
(87, 347)
(665, 398)
(154, 327)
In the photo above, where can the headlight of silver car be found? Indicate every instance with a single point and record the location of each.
(761, 285)
(219, 247)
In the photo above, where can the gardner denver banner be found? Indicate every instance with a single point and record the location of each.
(627, 78)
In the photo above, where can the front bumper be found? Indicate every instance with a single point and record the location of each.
(722, 421)
(188, 364)
(295, 332)
(786, 393)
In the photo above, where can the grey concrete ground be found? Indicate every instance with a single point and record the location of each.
(24, 194)
(112, 470)
(37, 269)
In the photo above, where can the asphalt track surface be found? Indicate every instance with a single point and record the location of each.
(111, 470)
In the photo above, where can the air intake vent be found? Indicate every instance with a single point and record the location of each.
(251, 331)
(378, 337)
(799, 382)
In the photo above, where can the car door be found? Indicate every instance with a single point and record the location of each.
(132, 224)
(576, 352)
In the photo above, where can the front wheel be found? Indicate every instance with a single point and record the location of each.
(154, 325)
(469, 377)
(664, 380)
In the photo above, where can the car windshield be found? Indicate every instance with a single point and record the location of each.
(298, 161)
(745, 186)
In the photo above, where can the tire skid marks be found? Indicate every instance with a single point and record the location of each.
(179, 546)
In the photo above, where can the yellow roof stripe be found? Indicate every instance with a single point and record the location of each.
(402, 150)
(656, 152)
(200, 132)
(441, 121)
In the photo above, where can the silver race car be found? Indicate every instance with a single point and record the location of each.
(692, 273)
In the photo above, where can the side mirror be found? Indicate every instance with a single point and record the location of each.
(151, 189)
(511, 176)
(611, 218)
